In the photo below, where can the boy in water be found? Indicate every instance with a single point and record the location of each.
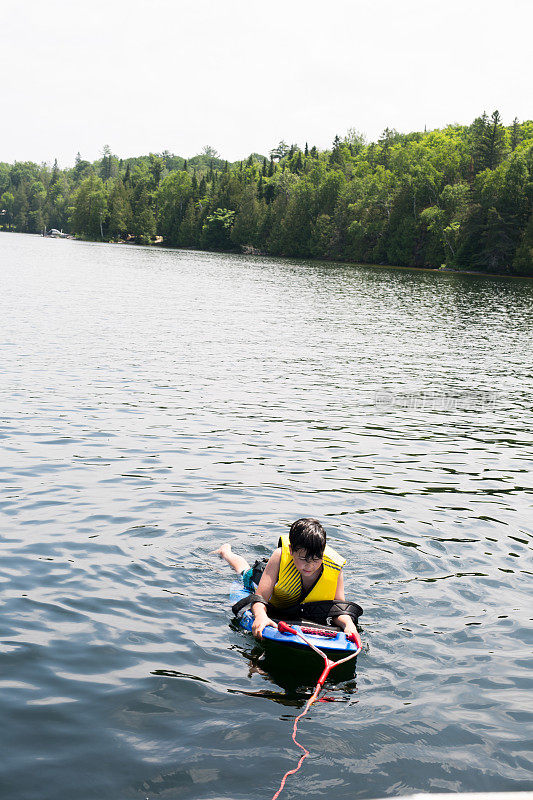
(302, 570)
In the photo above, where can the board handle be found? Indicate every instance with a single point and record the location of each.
(354, 637)
(284, 628)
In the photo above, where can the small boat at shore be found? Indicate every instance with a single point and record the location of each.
(53, 233)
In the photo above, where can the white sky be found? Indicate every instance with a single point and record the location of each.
(152, 75)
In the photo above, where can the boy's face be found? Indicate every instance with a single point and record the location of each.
(306, 565)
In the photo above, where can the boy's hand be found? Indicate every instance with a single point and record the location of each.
(353, 636)
(356, 639)
(348, 626)
(259, 624)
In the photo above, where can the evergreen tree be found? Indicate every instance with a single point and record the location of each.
(269, 192)
(488, 142)
(386, 141)
(523, 261)
(55, 172)
(297, 222)
(90, 208)
(36, 199)
(156, 167)
(495, 147)
(105, 168)
(144, 225)
(515, 134)
(21, 208)
(188, 232)
(280, 151)
(119, 211)
(247, 220)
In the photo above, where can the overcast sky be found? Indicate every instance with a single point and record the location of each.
(240, 75)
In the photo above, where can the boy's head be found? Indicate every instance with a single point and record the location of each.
(307, 539)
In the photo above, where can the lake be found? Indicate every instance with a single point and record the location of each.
(157, 403)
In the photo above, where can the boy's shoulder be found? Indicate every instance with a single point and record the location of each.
(333, 559)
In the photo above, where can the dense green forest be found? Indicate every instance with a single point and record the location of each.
(461, 196)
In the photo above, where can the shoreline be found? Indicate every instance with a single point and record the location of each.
(160, 244)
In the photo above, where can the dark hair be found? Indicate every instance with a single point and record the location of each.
(309, 535)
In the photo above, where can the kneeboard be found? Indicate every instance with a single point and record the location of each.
(327, 637)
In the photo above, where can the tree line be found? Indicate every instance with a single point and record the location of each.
(460, 196)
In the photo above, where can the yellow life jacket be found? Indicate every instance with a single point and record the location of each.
(288, 589)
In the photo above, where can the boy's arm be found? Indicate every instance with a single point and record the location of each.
(343, 620)
(265, 588)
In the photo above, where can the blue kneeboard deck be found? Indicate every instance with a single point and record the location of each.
(334, 641)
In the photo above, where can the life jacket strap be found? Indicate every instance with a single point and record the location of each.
(322, 612)
(247, 602)
(347, 607)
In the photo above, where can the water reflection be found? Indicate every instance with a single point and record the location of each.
(295, 671)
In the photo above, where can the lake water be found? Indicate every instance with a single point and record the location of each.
(157, 403)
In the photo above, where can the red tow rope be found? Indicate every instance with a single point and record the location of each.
(284, 628)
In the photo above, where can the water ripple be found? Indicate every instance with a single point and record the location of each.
(156, 403)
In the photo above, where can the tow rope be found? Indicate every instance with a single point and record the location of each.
(328, 666)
